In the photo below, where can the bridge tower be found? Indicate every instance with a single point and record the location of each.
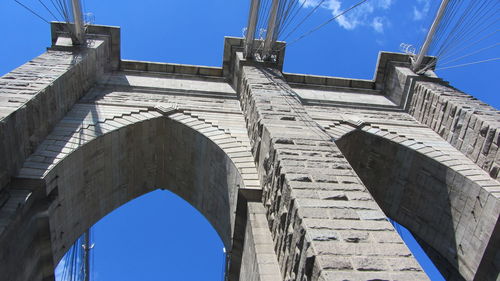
(297, 173)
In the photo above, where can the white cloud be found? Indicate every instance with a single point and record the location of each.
(380, 42)
(310, 3)
(378, 24)
(385, 4)
(419, 12)
(356, 17)
(360, 16)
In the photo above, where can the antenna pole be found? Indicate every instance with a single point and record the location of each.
(78, 18)
(430, 34)
(86, 256)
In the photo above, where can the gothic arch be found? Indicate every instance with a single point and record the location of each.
(441, 206)
(114, 167)
(117, 167)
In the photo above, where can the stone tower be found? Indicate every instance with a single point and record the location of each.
(297, 173)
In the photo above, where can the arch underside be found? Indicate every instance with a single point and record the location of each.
(117, 167)
(440, 204)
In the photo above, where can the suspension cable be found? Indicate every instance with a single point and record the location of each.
(327, 22)
(33, 12)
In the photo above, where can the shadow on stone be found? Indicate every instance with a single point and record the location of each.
(414, 190)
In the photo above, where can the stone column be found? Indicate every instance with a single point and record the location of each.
(35, 97)
(324, 223)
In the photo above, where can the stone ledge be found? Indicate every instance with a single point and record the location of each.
(317, 80)
(171, 68)
(111, 33)
(233, 45)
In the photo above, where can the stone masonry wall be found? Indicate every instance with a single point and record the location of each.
(465, 122)
(460, 226)
(259, 261)
(316, 221)
(36, 95)
(325, 224)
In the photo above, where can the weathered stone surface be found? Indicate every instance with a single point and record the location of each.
(306, 248)
(38, 94)
(298, 174)
(468, 124)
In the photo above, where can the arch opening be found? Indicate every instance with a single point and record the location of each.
(181, 244)
(421, 194)
(124, 164)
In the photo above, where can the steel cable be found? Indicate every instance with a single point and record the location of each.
(303, 20)
(328, 21)
(32, 11)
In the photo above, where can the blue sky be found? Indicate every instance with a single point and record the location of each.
(159, 232)
(158, 236)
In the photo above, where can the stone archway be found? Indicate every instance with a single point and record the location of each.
(114, 168)
(441, 206)
(124, 164)
(156, 234)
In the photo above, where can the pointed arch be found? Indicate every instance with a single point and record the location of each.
(119, 166)
(442, 205)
